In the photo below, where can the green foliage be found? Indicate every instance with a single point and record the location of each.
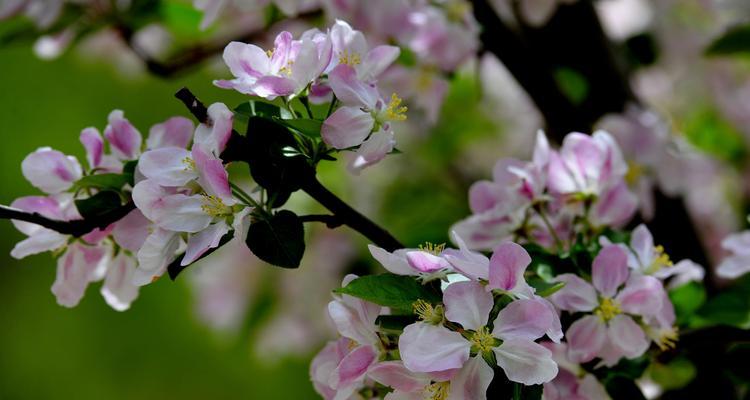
(181, 18)
(98, 204)
(305, 126)
(572, 84)
(544, 288)
(674, 375)
(708, 131)
(113, 182)
(278, 240)
(687, 299)
(390, 290)
(734, 41)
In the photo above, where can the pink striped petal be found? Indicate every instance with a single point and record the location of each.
(131, 231)
(576, 295)
(507, 265)
(203, 241)
(468, 303)
(353, 367)
(174, 132)
(118, 290)
(429, 348)
(212, 176)
(123, 138)
(586, 337)
(472, 381)
(609, 270)
(50, 170)
(525, 361)
(642, 295)
(347, 127)
(94, 144)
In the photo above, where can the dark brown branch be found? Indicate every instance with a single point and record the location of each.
(342, 212)
(74, 228)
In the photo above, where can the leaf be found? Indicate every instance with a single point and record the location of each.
(129, 170)
(687, 299)
(113, 182)
(674, 375)
(544, 288)
(573, 85)
(174, 268)
(390, 290)
(98, 204)
(305, 126)
(394, 323)
(278, 240)
(735, 40)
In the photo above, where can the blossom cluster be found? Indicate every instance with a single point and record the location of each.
(493, 311)
(336, 67)
(184, 204)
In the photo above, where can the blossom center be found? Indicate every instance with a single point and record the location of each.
(438, 390)
(432, 248)
(635, 171)
(608, 309)
(350, 59)
(189, 164)
(394, 111)
(661, 260)
(215, 207)
(427, 313)
(482, 340)
(667, 339)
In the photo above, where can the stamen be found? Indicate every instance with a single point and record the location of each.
(660, 261)
(215, 207)
(427, 313)
(482, 341)
(437, 390)
(393, 112)
(189, 164)
(350, 59)
(608, 309)
(432, 248)
(635, 171)
(667, 339)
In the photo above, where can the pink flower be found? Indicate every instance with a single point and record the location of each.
(609, 332)
(425, 347)
(50, 170)
(124, 140)
(76, 268)
(174, 132)
(428, 263)
(284, 71)
(469, 382)
(738, 261)
(572, 382)
(350, 48)
(41, 239)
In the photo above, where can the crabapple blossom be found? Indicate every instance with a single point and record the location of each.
(737, 263)
(469, 382)
(613, 303)
(572, 382)
(429, 346)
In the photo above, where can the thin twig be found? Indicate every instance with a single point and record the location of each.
(75, 228)
(330, 220)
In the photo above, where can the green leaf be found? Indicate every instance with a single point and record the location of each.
(305, 126)
(729, 308)
(674, 375)
(390, 290)
(113, 182)
(573, 85)
(395, 323)
(98, 204)
(278, 240)
(735, 40)
(175, 268)
(687, 299)
(544, 288)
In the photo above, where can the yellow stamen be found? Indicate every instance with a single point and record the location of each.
(660, 261)
(482, 341)
(635, 171)
(189, 164)
(393, 112)
(287, 70)
(269, 53)
(608, 309)
(432, 248)
(427, 313)
(438, 390)
(215, 206)
(350, 59)
(667, 339)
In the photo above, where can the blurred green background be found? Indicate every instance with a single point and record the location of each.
(156, 350)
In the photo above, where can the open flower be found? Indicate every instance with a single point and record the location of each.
(426, 262)
(283, 71)
(738, 262)
(350, 48)
(572, 382)
(429, 346)
(469, 382)
(616, 297)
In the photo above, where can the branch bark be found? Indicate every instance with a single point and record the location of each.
(74, 228)
(343, 214)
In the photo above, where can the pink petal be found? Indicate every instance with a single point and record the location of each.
(50, 170)
(212, 176)
(525, 361)
(423, 261)
(353, 366)
(203, 241)
(585, 337)
(377, 60)
(214, 136)
(394, 374)
(350, 90)
(94, 144)
(472, 381)
(131, 231)
(609, 270)
(472, 265)
(484, 195)
(428, 348)
(246, 61)
(641, 295)
(372, 151)
(468, 303)
(39, 242)
(168, 166)
(526, 318)
(394, 262)
(47, 206)
(148, 196)
(507, 265)
(642, 244)
(118, 290)
(153, 257)
(181, 213)
(75, 269)
(615, 206)
(576, 295)
(174, 132)
(541, 154)
(347, 127)
(627, 335)
(351, 323)
(123, 138)
(269, 87)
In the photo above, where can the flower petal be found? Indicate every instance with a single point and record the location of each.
(214, 136)
(526, 318)
(525, 361)
(394, 374)
(641, 295)
(625, 334)
(429, 348)
(174, 132)
(118, 290)
(576, 295)
(181, 213)
(203, 241)
(507, 265)
(168, 166)
(123, 138)
(372, 151)
(471, 264)
(425, 262)
(585, 337)
(377, 60)
(212, 176)
(50, 170)
(94, 144)
(131, 231)
(468, 303)
(472, 381)
(350, 90)
(394, 262)
(353, 367)
(246, 61)
(347, 127)
(156, 253)
(609, 270)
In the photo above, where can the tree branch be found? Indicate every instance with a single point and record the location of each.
(342, 212)
(330, 220)
(74, 228)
